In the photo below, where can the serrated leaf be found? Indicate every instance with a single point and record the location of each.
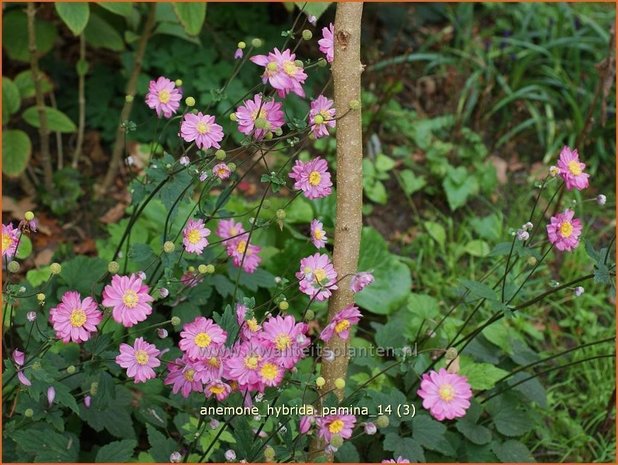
(191, 16)
(160, 446)
(479, 289)
(477, 434)
(404, 447)
(56, 120)
(75, 15)
(80, 273)
(117, 451)
(482, 375)
(16, 151)
(512, 451)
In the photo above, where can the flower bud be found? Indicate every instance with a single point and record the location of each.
(269, 454)
(299, 63)
(190, 101)
(163, 292)
(13, 266)
(128, 98)
(162, 333)
(230, 455)
(257, 43)
(370, 429)
(40, 297)
(320, 382)
(178, 82)
(354, 104)
(532, 261)
(382, 421)
(31, 316)
(113, 267)
(284, 305)
(278, 132)
(94, 388)
(340, 383)
(55, 268)
(579, 290)
(233, 117)
(29, 216)
(169, 247)
(336, 441)
(322, 62)
(309, 315)
(141, 275)
(451, 353)
(87, 401)
(318, 119)
(268, 136)
(281, 214)
(51, 395)
(232, 167)
(28, 413)
(202, 269)
(175, 321)
(601, 199)
(214, 424)
(71, 369)
(241, 45)
(307, 34)
(553, 171)
(175, 457)
(210, 269)
(220, 154)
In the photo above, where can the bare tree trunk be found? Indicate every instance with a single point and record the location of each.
(40, 100)
(347, 71)
(114, 164)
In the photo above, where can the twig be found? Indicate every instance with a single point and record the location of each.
(81, 100)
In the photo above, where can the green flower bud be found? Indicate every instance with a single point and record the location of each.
(336, 441)
(28, 413)
(232, 167)
(307, 34)
(210, 269)
(451, 353)
(128, 98)
(269, 453)
(320, 382)
(257, 43)
(220, 154)
(178, 82)
(532, 261)
(382, 421)
(113, 267)
(278, 132)
(340, 383)
(190, 101)
(169, 247)
(241, 45)
(299, 63)
(13, 266)
(55, 268)
(71, 369)
(281, 214)
(191, 269)
(29, 216)
(202, 269)
(309, 315)
(40, 297)
(318, 119)
(175, 321)
(233, 117)
(262, 123)
(268, 135)
(354, 104)
(322, 62)
(284, 305)
(94, 388)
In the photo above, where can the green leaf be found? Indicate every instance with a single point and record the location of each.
(410, 182)
(392, 278)
(75, 15)
(313, 8)
(482, 375)
(509, 420)
(228, 322)
(36, 277)
(512, 451)
(101, 34)
(477, 248)
(119, 8)
(25, 84)
(160, 446)
(477, 434)
(16, 151)
(15, 35)
(24, 249)
(404, 447)
(11, 99)
(478, 289)
(384, 163)
(427, 432)
(191, 16)
(376, 192)
(436, 231)
(47, 445)
(117, 451)
(459, 185)
(81, 273)
(56, 120)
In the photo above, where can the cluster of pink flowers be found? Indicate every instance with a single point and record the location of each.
(243, 254)
(258, 359)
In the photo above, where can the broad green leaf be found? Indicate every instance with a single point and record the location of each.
(56, 120)
(99, 33)
(482, 375)
(74, 14)
(38, 276)
(479, 289)
(117, 451)
(477, 434)
(120, 8)
(404, 447)
(11, 99)
(15, 35)
(384, 163)
(16, 150)
(411, 183)
(427, 431)
(477, 248)
(512, 451)
(313, 8)
(25, 84)
(24, 249)
(47, 445)
(376, 191)
(508, 419)
(160, 446)
(81, 273)
(436, 231)
(191, 16)
(459, 185)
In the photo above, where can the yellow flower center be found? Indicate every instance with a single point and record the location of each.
(252, 324)
(78, 318)
(336, 426)
(283, 341)
(272, 67)
(566, 229)
(320, 275)
(202, 340)
(575, 168)
(318, 234)
(189, 374)
(233, 231)
(221, 172)
(446, 392)
(314, 178)
(290, 68)
(325, 115)
(214, 362)
(252, 361)
(141, 357)
(202, 127)
(342, 326)
(241, 247)
(269, 371)
(130, 298)
(7, 241)
(194, 236)
(217, 389)
(164, 96)
(255, 115)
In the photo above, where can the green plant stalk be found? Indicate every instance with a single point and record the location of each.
(81, 102)
(40, 100)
